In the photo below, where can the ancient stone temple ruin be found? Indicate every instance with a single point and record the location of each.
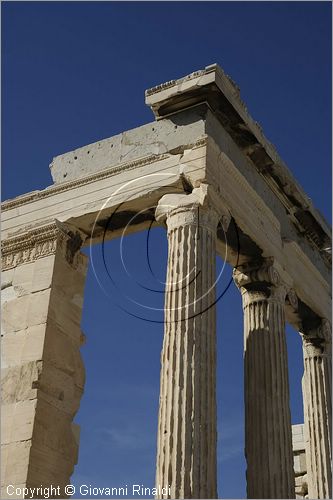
(218, 186)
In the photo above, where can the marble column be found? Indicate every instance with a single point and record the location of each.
(317, 390)
(186, 451)
(268, 440)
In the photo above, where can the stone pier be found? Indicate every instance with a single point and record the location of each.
(42, 370)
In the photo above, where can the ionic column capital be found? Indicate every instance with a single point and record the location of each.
(200, 208)
(317, 342)
(254, 273)
(261, 280)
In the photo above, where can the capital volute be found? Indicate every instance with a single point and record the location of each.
(317, 342)
(259, 281)
(256, 273)
(292, 299)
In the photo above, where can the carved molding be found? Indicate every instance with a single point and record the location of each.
(172, 83)
(159, 88)
(200, 142)
(41, 242)
(29, 246)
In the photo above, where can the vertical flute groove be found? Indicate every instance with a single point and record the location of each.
(316, 385)
(186, 456)
(268, 446)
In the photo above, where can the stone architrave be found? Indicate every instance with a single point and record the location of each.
(186, 451)
(42, 370)
(317, 390)
(268, 439)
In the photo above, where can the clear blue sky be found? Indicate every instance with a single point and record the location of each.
(73, 73)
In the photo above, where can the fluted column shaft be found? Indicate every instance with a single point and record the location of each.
(186, 451)
(317, 390)
(268, 440)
